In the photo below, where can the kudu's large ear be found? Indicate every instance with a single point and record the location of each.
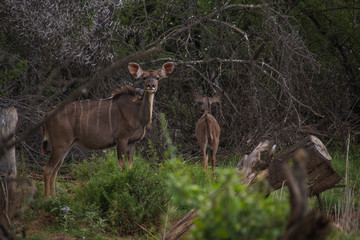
(216, 98)
(135, 70)
(197, 97)
(166, 69)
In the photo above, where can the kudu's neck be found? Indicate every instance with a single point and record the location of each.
(206, 106)
(146, 108)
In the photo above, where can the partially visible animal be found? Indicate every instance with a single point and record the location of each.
(120, 120)
(207, 129)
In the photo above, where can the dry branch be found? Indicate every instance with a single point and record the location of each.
(182, 227)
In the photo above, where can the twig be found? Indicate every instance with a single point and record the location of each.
(213, 84)
(347, 162)
(146, 231)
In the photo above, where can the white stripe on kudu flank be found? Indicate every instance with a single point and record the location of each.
(81, 115)
(74, 109)
(110, 115)
(98, 115)
(87, 116)
(66, 114)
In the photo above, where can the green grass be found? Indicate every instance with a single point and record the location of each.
(103, 202)
(342, 204)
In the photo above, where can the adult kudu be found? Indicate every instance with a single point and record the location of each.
(120, 120)
(207, 129)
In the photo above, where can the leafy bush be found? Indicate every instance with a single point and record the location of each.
(230, 210)
(130, 200)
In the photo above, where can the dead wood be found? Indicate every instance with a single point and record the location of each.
(321, 175)
(12, 189)
(8, 171)
(182, 227)
(302, 224)
(257, 160)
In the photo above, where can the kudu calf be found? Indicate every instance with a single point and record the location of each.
(120, 120)
(207, 129)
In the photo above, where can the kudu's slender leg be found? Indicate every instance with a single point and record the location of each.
(51, 169)
(121, 148)
(213, 155)
(131, 149)
(205, 155)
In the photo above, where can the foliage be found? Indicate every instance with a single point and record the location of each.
(104, 201)
(128, 199)
(341, 235)
(281, 65)
(286, 68)
(343, 203)
(229, 210)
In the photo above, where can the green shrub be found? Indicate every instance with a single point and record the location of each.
(230, 210)
(130, 200)
(187, 182)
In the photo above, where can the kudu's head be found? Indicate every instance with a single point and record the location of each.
(206, 101)
(151, 77)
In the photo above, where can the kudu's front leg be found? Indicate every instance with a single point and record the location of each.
(121, 148)
(131, 149)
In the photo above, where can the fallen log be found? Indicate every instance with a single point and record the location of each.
(320, 174)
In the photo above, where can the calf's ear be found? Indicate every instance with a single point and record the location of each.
(197, 97)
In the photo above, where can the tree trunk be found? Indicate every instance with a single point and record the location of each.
(8, 171)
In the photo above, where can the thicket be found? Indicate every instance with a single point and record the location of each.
(144, 202)
(286, 69)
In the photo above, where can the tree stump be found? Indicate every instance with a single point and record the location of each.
(320, 174)
(8, 171)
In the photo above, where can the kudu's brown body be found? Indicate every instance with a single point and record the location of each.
(207, 129)
(97, 124)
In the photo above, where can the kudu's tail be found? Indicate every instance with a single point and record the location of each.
(44, 142)
(209, 129)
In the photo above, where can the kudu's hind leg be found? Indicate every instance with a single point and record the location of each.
(205, 156)
(51, 169)
(213, 155)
